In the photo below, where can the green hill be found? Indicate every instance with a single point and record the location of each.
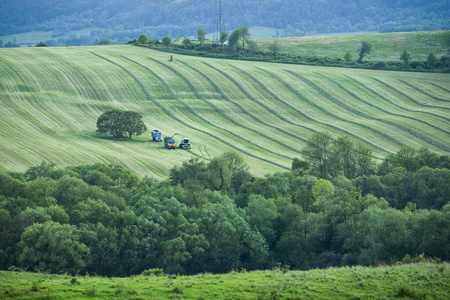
(50, 99)
(385, 46)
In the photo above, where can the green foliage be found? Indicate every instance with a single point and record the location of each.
(365, 49)
(153, 272)
(214, 217)
(167, 41)
(119, 123)
(143, 39)
(104, 42)
(406, 58)
(41, 44)
(201, 35)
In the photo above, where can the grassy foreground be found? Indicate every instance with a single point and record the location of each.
(411, 281)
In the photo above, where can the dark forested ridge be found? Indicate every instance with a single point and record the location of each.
(121, 19)
(215, 217)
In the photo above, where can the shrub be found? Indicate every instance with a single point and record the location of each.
(153, 272)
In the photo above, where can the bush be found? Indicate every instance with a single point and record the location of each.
(153, 272)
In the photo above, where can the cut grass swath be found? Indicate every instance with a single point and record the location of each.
(199, 96)
(169, 113)
(406, 129)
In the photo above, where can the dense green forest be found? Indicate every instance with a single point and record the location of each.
(121, 19)
(335, 208)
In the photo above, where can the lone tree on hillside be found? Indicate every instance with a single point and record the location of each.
(167, 41)
(143, 39)
(41, 44)
(245, 35)
(274, 48)
(406, 57)
(366, 48)
(121, 123)
(201, 35)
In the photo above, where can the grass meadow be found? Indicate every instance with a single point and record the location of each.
(50, 99)
(385, 46)
(410, 281)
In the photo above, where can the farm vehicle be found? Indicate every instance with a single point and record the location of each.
(157, 136)
(185, 144)
(170, 143)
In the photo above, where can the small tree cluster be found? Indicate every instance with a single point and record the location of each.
(121, 123)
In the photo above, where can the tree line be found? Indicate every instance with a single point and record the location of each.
(336, 207)
(239, 45)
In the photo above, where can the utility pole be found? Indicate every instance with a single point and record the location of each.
(218, 22)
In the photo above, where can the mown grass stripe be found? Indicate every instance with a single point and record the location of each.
(407, 96)
(199, 96)
(423, 92)
(253, 99)
(345, 106)
(304, 99)
(278, 102)
(438, 86)
(149, 97)
(406, 129)
(401, 107)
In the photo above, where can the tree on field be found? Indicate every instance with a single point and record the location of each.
(167, 41)
(233, 39)
(143, 39)
(186, 43)
(104, 42)
(223, 37)
(365, 49)
(118, 123)
(201, 35)
(348, 57)
(274, 48)
(244, 35)
(41, 44)
(432, 61)
(406, 58)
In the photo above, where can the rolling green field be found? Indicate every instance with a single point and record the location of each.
(50, 99)
(414, 281)
(385, 46)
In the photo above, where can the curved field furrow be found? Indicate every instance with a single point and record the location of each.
(275, 100)
(422, 136)
(254, 100)
(408, 97)
(60, 112)
(401, 107)
(438, 86)
(344, 130)
(200, 97)
(362, 115)
(22, 108)
(218, 111)
(424, 92)
(170, 114)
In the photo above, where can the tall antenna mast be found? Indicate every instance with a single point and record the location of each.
(218, 22)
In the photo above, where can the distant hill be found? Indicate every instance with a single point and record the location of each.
(123, 19)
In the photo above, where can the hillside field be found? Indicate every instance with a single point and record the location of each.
(50, 99)
(385, 46)
(413, 281)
